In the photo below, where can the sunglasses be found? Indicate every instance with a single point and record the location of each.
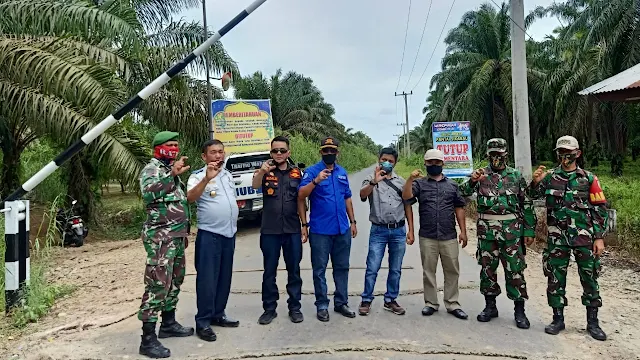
(329, 151)
(279, 151)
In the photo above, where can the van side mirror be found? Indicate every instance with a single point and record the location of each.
(302, 165)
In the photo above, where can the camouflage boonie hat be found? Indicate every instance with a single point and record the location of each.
(496, 145)
(567, 142)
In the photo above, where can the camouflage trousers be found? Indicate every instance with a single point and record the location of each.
(555, 263)
(163, 276)
(499, 241)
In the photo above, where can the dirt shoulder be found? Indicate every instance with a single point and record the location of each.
(619, 316)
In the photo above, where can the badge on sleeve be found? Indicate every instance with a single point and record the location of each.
(596, 195)
(270, 191)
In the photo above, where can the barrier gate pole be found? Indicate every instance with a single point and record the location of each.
(12, 226)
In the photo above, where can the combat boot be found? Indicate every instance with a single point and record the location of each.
(150, 346)
(592, 324)
(490, 310)
(557, 324)
(521, 318)
(171, 328)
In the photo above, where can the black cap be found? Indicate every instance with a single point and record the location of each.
(329, 142)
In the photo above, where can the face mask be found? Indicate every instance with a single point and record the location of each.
(498, 161)
(386, 166)
(329, 158)
(434, 170)
(567, 160)
(163, 152)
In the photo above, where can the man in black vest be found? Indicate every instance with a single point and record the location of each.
(283, 227)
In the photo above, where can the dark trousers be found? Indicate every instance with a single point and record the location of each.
(214, 267)
(339, 248)
(291, 245)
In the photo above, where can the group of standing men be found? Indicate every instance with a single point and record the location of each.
(576, 220)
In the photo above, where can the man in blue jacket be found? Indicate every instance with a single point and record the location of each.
(332, 225)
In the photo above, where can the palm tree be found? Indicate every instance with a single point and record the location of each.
(297, 105)
(475, 81)
(59, 77)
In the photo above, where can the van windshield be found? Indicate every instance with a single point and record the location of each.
(246, 163)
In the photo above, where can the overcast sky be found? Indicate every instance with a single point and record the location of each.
(352, 49)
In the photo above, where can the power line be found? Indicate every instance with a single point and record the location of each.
(419, 45)
(514, 23)
(406, 31)
(436, 45)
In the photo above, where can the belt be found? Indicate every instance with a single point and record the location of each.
(497, 217)
(391, 225)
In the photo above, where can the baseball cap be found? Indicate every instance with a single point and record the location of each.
(164, 136)
(329, 142)
(434, 154)
(496, 145)
(567, 142)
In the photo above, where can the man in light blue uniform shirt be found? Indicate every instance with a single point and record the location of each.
(331, 227)
(213, 188)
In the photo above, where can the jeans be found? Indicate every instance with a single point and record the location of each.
(214, 267)
(291, 245)
(380, 237)
(339, 248)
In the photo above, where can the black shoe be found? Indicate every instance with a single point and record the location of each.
(323, 315)
(225, 322)
(149, 345)
(171, 328)
(345, 311)
(267, 317)
(593, 326)
(490, 310)
(459, 314)
(428, 311)
(521, 318)
(206, 334)
(558, 322)
(296, 316)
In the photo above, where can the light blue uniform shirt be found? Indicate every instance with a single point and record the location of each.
(217, 214)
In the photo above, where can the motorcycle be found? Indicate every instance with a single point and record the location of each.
(71, 227)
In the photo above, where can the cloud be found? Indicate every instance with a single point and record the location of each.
(352, 50)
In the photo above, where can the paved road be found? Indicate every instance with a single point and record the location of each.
(381, 335)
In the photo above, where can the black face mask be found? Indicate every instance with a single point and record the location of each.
(329, 159)
(498, 161)
(434, 170)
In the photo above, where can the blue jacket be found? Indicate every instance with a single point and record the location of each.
(328, 215)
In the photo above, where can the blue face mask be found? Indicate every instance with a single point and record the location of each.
(386, 166)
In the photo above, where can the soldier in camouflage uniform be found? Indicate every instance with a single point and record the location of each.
(505, 216)
(164, 236)
(576, 222)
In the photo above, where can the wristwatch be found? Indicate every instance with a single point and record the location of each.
(305, 225)
(353, 221)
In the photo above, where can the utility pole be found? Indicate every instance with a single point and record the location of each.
(520, 96)
(404, 133)
(206, 65)
(397, 141)
(406, 116)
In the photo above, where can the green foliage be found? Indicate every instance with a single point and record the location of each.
(40, 295)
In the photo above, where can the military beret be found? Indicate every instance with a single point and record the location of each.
(164, 136)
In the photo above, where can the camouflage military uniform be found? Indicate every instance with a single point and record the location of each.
(575, 217)
(163, 235)
(505, 216)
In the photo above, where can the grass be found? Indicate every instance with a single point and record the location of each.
(622, 192)
(40, 295)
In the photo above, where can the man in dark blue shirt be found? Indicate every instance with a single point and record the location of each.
(331, 227)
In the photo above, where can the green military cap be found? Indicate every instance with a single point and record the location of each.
(496, 145)
(164, 136)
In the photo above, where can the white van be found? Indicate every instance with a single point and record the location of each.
(242, 167)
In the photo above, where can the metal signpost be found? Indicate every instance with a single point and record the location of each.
(16, 211)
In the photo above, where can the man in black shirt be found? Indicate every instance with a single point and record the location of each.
(282, 218)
